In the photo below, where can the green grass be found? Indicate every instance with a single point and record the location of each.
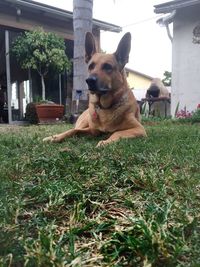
(132, 203)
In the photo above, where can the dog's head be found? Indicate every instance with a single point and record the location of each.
(106, 70)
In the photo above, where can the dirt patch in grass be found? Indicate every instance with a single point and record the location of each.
(4, 128)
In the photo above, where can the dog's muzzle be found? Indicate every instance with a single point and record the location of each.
(94, 85)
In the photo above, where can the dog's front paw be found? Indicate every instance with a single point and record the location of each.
(102, 143)
(52, 139)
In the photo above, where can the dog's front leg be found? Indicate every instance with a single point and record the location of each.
(57, 138)
(60, 137)
(130, 133)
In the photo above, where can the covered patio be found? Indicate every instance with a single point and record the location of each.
(19, 87)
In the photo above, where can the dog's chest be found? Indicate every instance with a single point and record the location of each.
(104, 114)
(105, 120)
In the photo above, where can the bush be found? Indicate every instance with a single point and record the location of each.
(196, 116)
(186, 116)
(31, 114)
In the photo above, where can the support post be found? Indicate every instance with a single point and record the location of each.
(9, 87)
(30, 86)
(60, 89)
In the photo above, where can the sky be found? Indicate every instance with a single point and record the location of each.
(150, 47)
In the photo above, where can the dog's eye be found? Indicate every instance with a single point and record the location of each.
(107, 67)
(91, 66)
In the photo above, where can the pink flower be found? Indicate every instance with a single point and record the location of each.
(198, 106)
(183, 113)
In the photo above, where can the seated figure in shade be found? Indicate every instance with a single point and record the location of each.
(157, 89)
(161, 106)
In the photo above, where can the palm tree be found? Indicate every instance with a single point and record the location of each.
(82, 23)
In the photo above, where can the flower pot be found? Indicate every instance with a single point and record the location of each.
(48, 113)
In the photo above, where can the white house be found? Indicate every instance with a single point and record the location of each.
(185, 15)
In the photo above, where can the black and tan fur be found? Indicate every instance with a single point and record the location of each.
(112, 107)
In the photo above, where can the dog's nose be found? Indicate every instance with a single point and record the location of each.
(92, 83)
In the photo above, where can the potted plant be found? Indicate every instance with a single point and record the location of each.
(41, 51)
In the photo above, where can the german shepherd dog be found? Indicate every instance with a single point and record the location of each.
(113, 108)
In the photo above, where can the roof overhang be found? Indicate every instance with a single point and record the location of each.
(174, 5)
(59, 13)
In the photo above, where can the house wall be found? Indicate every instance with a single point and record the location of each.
(186, 61)
(138, 81)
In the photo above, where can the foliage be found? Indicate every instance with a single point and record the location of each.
(41, 51)
(177, 109)
(185, 115)
(167, 78)
(196, 116)
(132, 203)
(31, 114)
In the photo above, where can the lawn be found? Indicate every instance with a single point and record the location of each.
(132, 203)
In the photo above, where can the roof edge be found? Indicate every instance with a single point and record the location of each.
(173, 5)
(64, 13)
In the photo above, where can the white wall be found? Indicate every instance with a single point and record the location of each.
(186, 62)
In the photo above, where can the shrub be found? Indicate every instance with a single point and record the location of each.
(186, 116)
(196, 115)
(31, 114)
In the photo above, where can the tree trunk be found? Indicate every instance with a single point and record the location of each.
(43, 87)
(82, 23)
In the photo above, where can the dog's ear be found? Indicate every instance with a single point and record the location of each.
(123, 50)
(90, 47)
